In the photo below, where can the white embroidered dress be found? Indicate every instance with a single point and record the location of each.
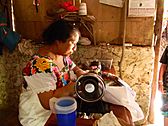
(31, 112)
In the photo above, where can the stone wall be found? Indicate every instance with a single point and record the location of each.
(11, 65)
(136, 70)
(11, 78)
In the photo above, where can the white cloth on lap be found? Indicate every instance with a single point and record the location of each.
(125, 96)
(108, 119)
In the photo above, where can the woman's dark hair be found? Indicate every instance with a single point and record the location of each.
(60, 30)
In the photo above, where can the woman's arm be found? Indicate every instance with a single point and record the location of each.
(78, 71)
(67, 90)
(160, 79)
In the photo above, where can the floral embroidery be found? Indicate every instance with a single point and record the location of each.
(37, 65)
(69, 61)
(27, 69)
(45, 64)
(42, 64)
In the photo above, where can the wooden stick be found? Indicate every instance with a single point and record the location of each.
(73, 2)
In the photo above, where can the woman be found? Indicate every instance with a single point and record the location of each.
(47, 74)
(163, 84)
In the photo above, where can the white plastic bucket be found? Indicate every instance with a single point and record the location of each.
(66, 111)
(65, 105)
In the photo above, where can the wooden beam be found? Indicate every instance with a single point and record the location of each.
(158, 36)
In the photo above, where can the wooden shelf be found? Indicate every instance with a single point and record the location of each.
(85, 24)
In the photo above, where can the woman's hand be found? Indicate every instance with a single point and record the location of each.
(162, 70)
(67, 90)
(79, 71)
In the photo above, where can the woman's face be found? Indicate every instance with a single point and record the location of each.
(68, 47)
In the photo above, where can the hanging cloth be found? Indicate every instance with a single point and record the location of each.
(8, 37)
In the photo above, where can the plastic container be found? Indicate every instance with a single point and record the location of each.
(82, 9)
(66, 111)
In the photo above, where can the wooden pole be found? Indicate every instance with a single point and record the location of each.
(73, 2)
(123, 39)
(158, 34)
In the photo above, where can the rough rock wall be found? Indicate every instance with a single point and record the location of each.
(11, 78)
(11, 65)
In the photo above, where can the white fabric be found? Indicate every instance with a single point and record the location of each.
(41, 82)
(31, 112)
(108, 119)
(125, 96)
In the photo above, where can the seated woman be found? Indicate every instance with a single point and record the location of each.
(47, 74)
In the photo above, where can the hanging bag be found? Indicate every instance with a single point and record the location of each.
(8, 37)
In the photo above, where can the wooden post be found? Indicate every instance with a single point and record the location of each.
(73, 2)
(123, 39)
(158, 34)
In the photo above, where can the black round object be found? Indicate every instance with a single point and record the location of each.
(90, 87)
